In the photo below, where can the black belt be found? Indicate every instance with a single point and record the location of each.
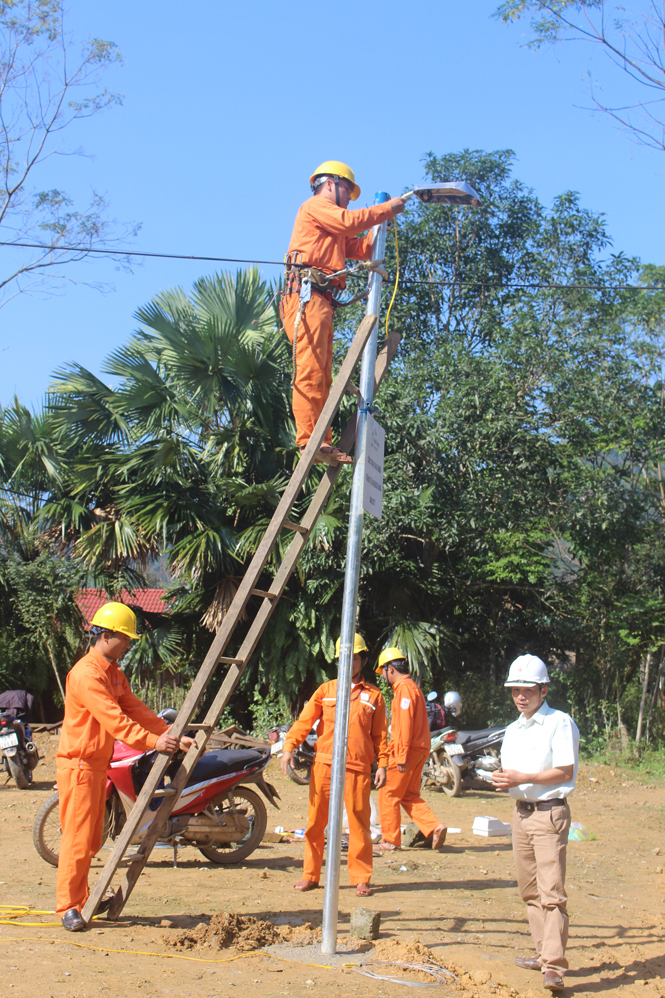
(540, 805)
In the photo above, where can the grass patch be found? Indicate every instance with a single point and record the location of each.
(646, 765)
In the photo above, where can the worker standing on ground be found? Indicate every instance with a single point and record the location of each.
(408, 751)
(547, 742)
(99, 707)
(325, 236)
(367, 742)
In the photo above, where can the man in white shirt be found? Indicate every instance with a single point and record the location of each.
(545, 743)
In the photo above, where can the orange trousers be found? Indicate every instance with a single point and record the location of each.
(356, 798)
(82, 801)
(313, 361)
(404, 789)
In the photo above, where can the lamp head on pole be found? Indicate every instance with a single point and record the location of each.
(457, 192)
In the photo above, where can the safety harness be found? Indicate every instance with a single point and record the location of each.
(302, 280)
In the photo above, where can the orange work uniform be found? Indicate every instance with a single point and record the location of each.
(99, 707)
(410, 745)
(326, 237)
(368, 740)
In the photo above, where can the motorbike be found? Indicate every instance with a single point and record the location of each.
(216, 811)
(19, 753)
(462, 757)
(300, 767)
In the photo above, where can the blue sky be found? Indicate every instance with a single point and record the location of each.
(229, 107)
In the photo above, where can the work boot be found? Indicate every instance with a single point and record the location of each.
(528, 962)
(72, 921)
(553, 981)
(105, 904)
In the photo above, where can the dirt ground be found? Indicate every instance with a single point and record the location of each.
(462, 904)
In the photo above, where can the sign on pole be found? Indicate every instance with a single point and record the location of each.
(373, 490)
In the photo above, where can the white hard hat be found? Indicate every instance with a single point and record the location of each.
(527, 670)
(453, 702)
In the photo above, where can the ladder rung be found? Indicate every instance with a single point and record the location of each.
(231, 661)
(264, 594)
(200, 727)
(167, 792)
(298, 527)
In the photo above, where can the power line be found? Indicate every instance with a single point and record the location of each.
(551, 286)
(534, 286)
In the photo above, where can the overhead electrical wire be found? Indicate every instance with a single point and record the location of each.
(404, 280)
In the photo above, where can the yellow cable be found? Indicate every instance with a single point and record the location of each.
(165, 956)
(396, 275)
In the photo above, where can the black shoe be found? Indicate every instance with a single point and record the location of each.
(528, 963)
(105, 904)
(72, 921)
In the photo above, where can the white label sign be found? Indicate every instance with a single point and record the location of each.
(373, 491)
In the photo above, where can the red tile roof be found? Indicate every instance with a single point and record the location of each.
(150, 600)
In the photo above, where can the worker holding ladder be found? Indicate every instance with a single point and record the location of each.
(325, 236)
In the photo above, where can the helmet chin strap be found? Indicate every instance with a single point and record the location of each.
(336, 178)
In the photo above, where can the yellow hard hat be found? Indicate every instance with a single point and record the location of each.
(334, 168)
(358, 645)
(389, 655)
(116, 617)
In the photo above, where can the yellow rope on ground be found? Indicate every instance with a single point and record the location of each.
(396, 274)
(24, 909)
(164, 956)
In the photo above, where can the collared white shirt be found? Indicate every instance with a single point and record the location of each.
(547, 740)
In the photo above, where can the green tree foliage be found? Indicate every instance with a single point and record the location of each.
(524, 498)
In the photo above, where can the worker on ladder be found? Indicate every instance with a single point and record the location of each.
(325, 236)
(99, 707)
(368, 740)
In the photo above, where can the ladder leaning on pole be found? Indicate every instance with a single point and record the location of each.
(215, 655)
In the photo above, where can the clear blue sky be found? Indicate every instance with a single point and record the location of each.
(228, 108)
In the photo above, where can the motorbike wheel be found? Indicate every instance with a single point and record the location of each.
(453, 785)
(22, 777)
(300, 772)
(47, 833)
(255, 810)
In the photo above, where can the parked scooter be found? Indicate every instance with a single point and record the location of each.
(300, 767)
(216, 811)
(19, 753)
(462, 757)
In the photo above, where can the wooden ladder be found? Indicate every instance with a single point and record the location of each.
(237, 664)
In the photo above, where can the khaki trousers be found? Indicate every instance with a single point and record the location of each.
(539, 847)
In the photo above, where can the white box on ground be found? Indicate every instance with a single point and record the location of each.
(484, 825)
(373, 488)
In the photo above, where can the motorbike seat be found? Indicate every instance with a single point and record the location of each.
(477, 736)
(219, 762)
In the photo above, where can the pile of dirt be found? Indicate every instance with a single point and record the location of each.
(407, 951)
(227, 930)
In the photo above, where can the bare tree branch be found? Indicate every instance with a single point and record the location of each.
(635, 45)
(47, 82)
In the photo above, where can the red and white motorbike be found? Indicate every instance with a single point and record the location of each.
(216, 812)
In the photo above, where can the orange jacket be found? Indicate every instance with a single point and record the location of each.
(368, 727)
(409, 726)
(99, 707)
(326, 234)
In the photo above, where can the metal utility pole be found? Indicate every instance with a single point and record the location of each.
(350, 604)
